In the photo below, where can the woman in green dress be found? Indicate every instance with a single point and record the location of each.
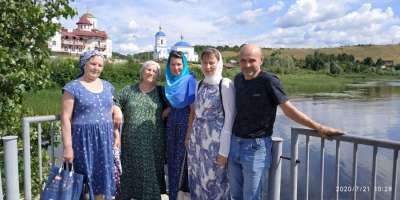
(142, 137)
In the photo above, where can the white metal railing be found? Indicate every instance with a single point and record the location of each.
(1, 184)
(10, 168)
(27, 121)
(273, 190)
(356, 141)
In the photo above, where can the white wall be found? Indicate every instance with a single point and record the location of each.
(57, 40)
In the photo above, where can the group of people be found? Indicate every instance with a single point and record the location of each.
(214, 134)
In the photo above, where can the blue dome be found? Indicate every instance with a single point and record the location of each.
(160, 33)
(182, 44)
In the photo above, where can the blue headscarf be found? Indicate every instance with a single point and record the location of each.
(84, 58)
(180, 90)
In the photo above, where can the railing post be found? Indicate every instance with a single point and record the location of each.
(1, 188)
(293, 164)
(11, 166)
(322, 167)
(40, 152)
(394, 177)
(274, 186)
(27, 160)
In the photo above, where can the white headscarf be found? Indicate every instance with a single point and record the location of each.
(217, 76)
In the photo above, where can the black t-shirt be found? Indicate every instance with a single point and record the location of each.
(256, 103)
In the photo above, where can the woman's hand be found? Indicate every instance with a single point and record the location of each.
(187, 138)
(117, 141)
(67, 107)
(165, 113)
(68, 154)
(117, 116)
(221, 161)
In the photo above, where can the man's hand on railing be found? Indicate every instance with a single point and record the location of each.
(326, 131)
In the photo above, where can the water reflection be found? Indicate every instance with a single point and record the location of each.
(375, 113)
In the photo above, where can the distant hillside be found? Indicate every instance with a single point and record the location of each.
(386, 52)
(143, 55)
(117, 55)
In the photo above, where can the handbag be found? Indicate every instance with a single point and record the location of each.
(182, 194)
(63, 184)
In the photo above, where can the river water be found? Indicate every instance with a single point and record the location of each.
(369, 110)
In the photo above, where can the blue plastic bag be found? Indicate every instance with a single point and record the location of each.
(62, 184)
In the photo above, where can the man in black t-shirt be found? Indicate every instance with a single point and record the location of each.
(257, 97)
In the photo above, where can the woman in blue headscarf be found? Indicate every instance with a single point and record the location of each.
(87, 128)
(180, 89)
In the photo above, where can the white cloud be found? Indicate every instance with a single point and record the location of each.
(247, 4)
(308, 11)
(245, 17)
(249, 16)
(187, 1)
(224, 21)
(276, 7)
(128, 47)
(365, 25)
(195, 31)
(132, 48)
(306, 23)
(132, 24)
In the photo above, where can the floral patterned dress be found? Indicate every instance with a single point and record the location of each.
(142, 144)
(206, 179)
(92, 137)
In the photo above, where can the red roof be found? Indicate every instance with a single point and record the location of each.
(92, 33)
(81, 33)
(84, 20)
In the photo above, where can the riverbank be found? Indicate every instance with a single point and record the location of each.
(46, 102)
(301, 84)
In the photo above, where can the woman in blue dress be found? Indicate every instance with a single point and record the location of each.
(210, 128)
(179, 91)
(87, 127)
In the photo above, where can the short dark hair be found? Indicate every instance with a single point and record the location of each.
(175, 54)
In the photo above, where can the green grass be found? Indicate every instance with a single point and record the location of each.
(48, 101)
(44, 102)
(296, 84)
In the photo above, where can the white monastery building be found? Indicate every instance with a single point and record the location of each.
(84, 37)
(161, 50)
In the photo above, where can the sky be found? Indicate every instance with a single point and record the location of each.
(132, 24)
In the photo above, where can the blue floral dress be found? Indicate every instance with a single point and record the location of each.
(92, 137)
(207, 180)
(177, 125)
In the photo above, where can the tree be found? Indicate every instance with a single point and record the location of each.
(397, 67)
(379, 62)
(335, 69)
(25, 28)
(368, 61)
